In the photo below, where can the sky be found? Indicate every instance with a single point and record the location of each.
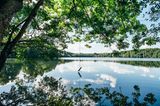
(95, 48)
(98, 48)
(80, 47)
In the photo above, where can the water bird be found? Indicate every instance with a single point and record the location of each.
(79, 72)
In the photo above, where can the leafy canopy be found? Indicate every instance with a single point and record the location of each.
(105, 21)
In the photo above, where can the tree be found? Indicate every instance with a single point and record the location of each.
(11, 43)
(7, 9)
(105, 21)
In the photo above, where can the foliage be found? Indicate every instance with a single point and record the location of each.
(59, 22)
(46, 92)
(37, 52)
(9, 72)
(108, 22)
(49, 91)
(105, 21)
(140, 53)
(101, 95)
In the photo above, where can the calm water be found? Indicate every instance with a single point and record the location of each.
(100, 72)
(115, 75)
(109, 59)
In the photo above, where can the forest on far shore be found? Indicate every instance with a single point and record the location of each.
(140, 53)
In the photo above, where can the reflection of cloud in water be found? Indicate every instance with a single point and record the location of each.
(144, 69)
(65, 81)
(120, 69)
(151, 76)
(128, 69)
(109, 78)
(146, 72)
(102, 78)
(87, 66)
(90, 67)
(143, 75)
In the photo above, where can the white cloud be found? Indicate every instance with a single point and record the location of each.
(79, 47)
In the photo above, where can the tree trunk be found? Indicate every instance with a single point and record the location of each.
(7, 10)
(10, 45)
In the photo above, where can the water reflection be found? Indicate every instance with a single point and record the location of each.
(39, 67)
(9, 72)
(115, 75)
(30, 67)
(142, 63)
(49, 91)
(102, 79)
(93, 69)
(100, 74)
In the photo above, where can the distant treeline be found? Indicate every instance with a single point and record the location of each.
(141, 53)
(141, 63)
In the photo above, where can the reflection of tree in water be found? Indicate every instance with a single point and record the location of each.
(30, 67)
(46, 92)
(38, 67)
(142, 63)
(135, 63)
(9, 72)
(50, 92)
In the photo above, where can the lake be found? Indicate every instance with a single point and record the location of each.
(116, 73)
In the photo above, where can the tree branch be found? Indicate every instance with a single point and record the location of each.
(13, 30)
(10, 45)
